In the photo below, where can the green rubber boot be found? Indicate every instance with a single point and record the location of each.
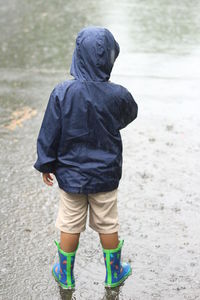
(116, 272)
(63, 271)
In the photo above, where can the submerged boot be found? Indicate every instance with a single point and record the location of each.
(63, 271)
(116, 272)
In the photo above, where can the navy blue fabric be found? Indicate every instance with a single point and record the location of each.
(79, 140)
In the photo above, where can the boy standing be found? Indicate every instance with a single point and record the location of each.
(80, 143)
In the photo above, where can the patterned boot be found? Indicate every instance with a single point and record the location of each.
(63, 271)
(116, 272)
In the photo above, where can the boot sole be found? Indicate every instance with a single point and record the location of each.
(65, 287)
(112, 285)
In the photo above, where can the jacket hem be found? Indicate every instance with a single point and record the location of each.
(85, 190)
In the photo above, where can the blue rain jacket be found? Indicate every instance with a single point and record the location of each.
(79, 140)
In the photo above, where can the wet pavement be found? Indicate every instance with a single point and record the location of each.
(159, 193)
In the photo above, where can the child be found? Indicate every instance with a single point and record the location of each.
(80, 143)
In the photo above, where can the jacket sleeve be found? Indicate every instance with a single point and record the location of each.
(128, 109)
(49, 136)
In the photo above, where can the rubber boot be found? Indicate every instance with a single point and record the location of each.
(63, 271)
(116, 272)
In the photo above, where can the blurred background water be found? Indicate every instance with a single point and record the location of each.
(159, 191)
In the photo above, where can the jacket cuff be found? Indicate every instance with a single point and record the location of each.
(45, 168)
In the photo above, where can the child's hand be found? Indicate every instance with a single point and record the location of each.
(47, 178)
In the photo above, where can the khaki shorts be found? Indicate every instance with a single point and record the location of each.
(72, 212)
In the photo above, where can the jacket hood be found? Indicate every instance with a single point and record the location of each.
(94, 54)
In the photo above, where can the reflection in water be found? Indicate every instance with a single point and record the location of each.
(111, 293)
(67, 294)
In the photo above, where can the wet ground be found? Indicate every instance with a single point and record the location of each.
(159, 193)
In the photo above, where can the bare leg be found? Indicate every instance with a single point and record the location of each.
(109, 241)
(69, 241)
